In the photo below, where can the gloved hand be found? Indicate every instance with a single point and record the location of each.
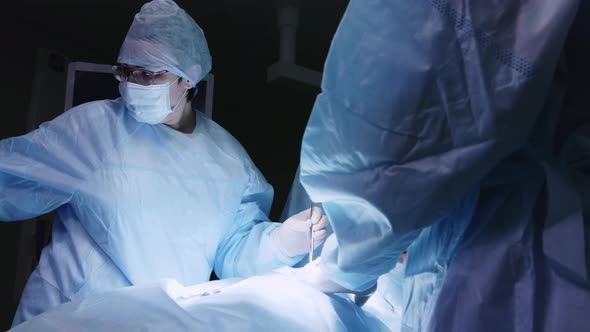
(293, 237)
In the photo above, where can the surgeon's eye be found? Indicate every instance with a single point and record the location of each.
(144, 76)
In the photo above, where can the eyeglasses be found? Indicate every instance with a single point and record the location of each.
(141, 76)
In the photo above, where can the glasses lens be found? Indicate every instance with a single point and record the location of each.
(120, 73)
(142, 76)
(117, 73)
(136, 75)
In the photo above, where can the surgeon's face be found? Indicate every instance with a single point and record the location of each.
(178, 86)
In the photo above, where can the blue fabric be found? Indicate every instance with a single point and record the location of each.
(269, 302)
(433, 132)
(297, 201)
(164, 36)
(135, 203)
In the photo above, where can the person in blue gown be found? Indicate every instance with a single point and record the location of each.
(435, 131)
(145, 188)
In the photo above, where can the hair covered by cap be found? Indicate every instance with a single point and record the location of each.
(163, 35)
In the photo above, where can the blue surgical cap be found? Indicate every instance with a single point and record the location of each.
(163, 35)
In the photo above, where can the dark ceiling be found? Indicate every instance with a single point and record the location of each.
(95, 23)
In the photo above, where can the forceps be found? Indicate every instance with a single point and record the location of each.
(311, 242)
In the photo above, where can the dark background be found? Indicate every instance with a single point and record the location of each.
(243, 37)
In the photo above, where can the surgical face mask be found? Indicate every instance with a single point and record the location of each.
(148, 103)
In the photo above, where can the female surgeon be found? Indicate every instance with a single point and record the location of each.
(145, 188)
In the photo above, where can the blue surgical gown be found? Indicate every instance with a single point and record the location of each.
(432, 132)
(135, 203)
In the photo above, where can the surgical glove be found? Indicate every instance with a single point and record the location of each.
(293, 237)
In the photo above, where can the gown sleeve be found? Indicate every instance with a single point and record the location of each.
(248, 249)
(420, 100)
(41, 170)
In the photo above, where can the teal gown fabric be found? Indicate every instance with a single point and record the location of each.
(434, 132)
